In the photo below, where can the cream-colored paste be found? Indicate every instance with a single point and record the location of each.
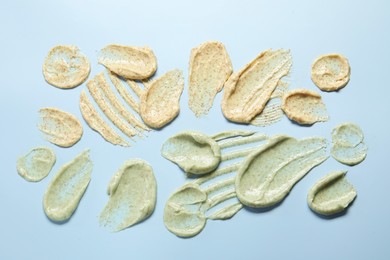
(304, 107)
(330, 72)
(209, 68)
(331, 194)
(132, 191)
(36, 164)
(193, 152)
(67, 187)
(129, 62)
(248, 90)
(348, 145)
(211, 196)
(267, 175)
(160, 103)
(97, 123)
(66, 67)
(60, 127)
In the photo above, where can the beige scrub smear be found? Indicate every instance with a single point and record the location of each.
(66, 67)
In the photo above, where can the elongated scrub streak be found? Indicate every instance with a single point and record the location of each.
(66, 67)
(36, 164)
(67, 187)
(60, 127)
(133, 192)
(248, 90)
(330, 72)
(160, 103)
(348, 145)
(331, 194)
(267, 175)
(209, 68)
(97, 123)
(130, 62)
(304, 107)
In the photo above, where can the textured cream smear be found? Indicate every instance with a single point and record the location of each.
(129, 62)
(267, 175)
(132, 191)
(193, 152)
(60, 127)
(348, 145)
(160, 103)
(36, 164)
(248, 90)
(331, 194)
(209, 68)
(330, 72)
(304, 107)
(67, 187)
(66, 67)
(211, 196)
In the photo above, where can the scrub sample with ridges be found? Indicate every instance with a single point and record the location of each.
(67, 187)
(331, 194)
(59, 127)
(160, 102)
(129, 62)
(133, 192)
(330, 72)
(247, 91)
(348, 145)
(211, 196)
(209, 68)
(120, 108)
(193, 152)
(267, 176)
(66, 67)
(304, 107)
(36, 164)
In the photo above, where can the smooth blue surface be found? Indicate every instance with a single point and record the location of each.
(357, 29)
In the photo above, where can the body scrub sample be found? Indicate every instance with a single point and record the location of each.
(132, 191)
(67, 187)
(66, 67)
(210, 67)
(60, 127)
(36, 164)
(331, 194)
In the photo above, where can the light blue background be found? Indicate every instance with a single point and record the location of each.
(357, 29)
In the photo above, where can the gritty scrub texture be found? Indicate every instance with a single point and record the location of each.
(247, 91)
(59, 127)
(209, 68)
(331, 194)
(65, 67)
(133, 192)
(36, 164)
(64, 192)
(304, 107)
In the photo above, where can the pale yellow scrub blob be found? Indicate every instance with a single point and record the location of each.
(36, 164)
(348, 145)
(210, 67)
(267, 175)
(132, 191)
(330, 72)
(304, 107)
(129, 62)
(331, 194)
(160, 103)
(66, 67)
(248, 90)
(67, 187)
(60, 127)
